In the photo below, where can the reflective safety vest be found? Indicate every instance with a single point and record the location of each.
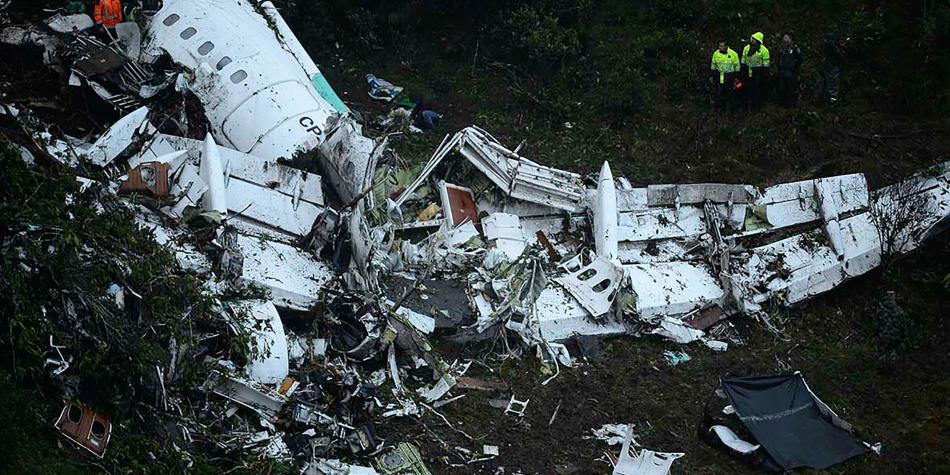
(725, 63)
(760, 59)
(108, 12)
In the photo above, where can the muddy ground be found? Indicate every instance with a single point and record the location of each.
(837, 341)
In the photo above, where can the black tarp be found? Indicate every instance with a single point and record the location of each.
(792, 424)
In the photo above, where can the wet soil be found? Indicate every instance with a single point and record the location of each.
(835, 341)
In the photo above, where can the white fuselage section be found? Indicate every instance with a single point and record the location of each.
(257, 94)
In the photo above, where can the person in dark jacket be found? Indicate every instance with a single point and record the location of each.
(835, 49)
(789, 66)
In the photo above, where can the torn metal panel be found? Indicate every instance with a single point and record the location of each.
(298, 185)
(260, 400)
(561, 317)
(672, 288)
(458, 205)
(645, 252)
(423, 323)
(595, 285)
(661, 223)
(118, 138)
(507, 234)
(259, 204)
(187, 255)
(293, 276)
(89, 430)
(336, 467)
(789, 204)
(70, 23)
(803, 266)
(439, 389)
(699, 193)
(348, 158)
(268, 341)
(516, 176)
(259, 191)
(606, 233)
(129, 39)
(677, 331)
(828, 210)
(613, 434)
(655, 224)
(647, 462)
(188, 188)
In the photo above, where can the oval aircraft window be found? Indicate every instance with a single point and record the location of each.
(171, 19)
(98, 429)
(224, 62)
(74, 414)
(238, 76)
(205, 48)
(188, 33)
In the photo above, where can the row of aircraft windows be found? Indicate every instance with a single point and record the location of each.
(207, 47)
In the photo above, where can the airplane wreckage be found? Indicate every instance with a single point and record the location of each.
(315, 211)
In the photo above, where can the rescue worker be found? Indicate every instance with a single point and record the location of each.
(108, 13)
(755, 59)
(724, 67)
(789, 65)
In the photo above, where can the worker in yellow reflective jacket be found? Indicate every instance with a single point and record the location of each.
(724, 67)
(755, 61)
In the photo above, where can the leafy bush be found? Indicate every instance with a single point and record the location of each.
(538, 36)
(897, 335)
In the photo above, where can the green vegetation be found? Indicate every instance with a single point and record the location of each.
(61, 248)
(591, 80)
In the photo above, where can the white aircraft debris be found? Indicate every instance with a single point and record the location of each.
(535, 257)
(647, 462)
